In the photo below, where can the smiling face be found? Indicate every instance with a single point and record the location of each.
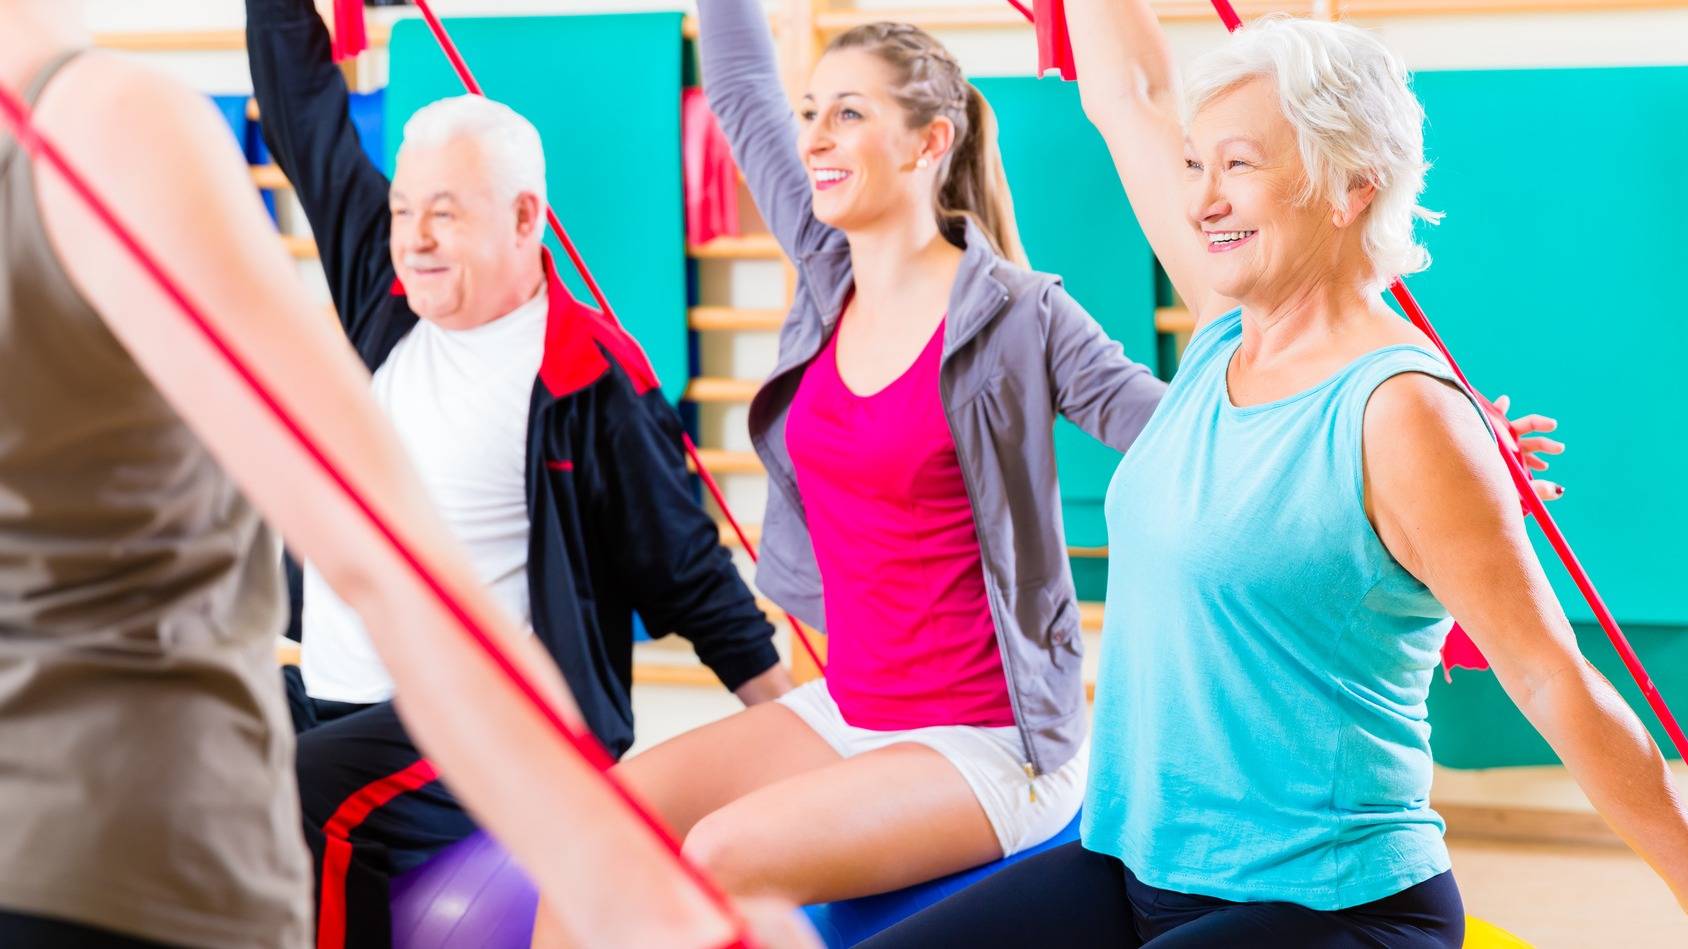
(863, 158)
(1245, 183)
(464, 251)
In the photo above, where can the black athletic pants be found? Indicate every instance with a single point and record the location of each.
(1073, 897)
(371, 810)
(18, 931)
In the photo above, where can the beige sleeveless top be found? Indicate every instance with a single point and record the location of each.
(146, 758)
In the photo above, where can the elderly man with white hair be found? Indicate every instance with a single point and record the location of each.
(1318, 496)
(560, 472)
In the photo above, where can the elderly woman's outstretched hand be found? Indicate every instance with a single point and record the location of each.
(1526, 433)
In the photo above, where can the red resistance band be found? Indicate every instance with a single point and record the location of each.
(1460, 650)
(30, 138)
(606, 328)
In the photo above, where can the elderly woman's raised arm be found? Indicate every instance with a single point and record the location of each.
(1129, 86)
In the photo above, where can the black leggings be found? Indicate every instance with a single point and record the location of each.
(1070, 896)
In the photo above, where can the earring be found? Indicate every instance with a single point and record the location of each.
(922, 163)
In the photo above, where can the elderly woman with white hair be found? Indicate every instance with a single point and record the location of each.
(1318, 495)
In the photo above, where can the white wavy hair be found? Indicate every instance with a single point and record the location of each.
(510, 142)
(1355, 120)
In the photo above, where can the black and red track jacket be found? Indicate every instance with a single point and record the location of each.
(616, 523)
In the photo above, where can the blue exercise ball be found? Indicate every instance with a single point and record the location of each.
(846, 922)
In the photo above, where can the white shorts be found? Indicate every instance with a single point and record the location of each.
(1023, 811)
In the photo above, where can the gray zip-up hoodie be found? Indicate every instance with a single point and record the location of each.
(1017, 350)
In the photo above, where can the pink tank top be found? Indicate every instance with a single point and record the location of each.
(911, 642)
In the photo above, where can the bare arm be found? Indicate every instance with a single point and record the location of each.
(160, 154)
(1129, 86)
(1446, 508)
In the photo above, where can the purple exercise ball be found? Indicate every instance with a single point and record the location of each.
(471, 895)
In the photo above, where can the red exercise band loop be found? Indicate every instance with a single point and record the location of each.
(17, 114)
(631, 346)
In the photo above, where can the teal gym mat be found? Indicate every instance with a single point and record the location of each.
(605, 94)
(1075, 221)
(1557, 280)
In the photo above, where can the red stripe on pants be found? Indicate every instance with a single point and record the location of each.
(337, 848)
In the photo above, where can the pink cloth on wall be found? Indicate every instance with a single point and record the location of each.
(910, 638)
(711, 177)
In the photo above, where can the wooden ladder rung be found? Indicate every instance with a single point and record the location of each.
(720, 461)
(301, 248)
(203, 41)
(730, 539)
(749, 247)
(172, 41)
(718, 389)
(971, 17)
(287, 653)
(1089, 616)
(1174, 320)
(269, 178)
(662, 673)
(734, 319)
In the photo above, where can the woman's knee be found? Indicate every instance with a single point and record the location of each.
(730, 848)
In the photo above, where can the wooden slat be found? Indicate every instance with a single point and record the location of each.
(661, 673)
(1248, 9)
(717, 389)
(301, 248)
(172, 41)
(722, 462)
(981, 17)
(734, 319)
(269, 178)
(1380, 8)
(287, 653)
(749, 247)
(1174, 320)
(201, 41)
(730, 539)
(1090, 617)
(997, 16)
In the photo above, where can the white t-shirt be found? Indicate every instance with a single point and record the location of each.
(459, 400)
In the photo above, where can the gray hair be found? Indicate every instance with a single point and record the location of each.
(1356, 122)
(511, 144)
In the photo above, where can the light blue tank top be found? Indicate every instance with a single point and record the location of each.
(1260, 729)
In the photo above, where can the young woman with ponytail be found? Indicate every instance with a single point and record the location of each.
(914, 513)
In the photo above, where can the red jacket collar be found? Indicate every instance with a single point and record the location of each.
(573, 334)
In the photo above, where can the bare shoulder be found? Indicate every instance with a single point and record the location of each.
(1419, 405)
(1423, 439)
(101, 106)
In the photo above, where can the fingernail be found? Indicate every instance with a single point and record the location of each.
(1559, 491)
